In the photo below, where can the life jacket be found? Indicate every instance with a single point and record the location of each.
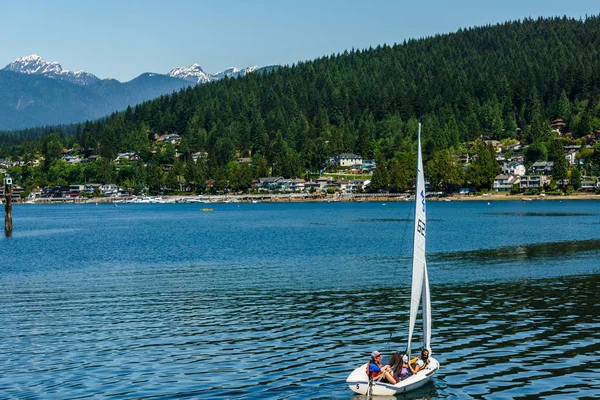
(414, 360)
(373, 375)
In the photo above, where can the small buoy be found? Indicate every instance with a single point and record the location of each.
(488, 203)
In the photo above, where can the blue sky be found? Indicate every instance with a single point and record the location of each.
(122, 39)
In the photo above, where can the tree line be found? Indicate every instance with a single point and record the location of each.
(503, 81)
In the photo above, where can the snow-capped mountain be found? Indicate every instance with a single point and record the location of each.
(193, 73)
(35, 64)
(196, 74)
(42, 93)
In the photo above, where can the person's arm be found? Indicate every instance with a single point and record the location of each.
(414, 367)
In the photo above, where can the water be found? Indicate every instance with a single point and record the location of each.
(282, 301)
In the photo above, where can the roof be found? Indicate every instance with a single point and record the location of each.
(347, 155)
(270, 179)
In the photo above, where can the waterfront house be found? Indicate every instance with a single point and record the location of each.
(357, 185)
(75, 190)
(109, 190)
(504, 183)
(297, 185)
(270, 183)
(534, 181)
(346, 160)
(588, 185)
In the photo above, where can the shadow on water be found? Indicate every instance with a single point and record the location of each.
(541, 214)
(554, 250)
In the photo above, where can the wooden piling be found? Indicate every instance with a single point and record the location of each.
(8, 210)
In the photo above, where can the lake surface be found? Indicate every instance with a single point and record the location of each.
(283, 301)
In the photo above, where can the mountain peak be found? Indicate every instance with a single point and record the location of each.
(195, 73)
(34, 64)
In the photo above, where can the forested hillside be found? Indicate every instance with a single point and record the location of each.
(502, 81)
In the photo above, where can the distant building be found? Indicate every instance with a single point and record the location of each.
(542, 168)
(534, 181)
(514, 168)
(504, 183)
(346, 160)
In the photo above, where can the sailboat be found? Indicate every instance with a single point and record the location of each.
(358, 380)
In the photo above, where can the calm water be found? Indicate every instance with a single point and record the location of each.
(284, 300)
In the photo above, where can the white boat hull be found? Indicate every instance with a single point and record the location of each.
(358, 381)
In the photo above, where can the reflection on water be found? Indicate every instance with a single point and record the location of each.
(537, 251)
(542, 214)
(525, 338)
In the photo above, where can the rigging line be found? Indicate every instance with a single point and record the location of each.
(411, 209)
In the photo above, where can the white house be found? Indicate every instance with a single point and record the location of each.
(504, 183)
(355, 184)
(514, 168)
(346, 160)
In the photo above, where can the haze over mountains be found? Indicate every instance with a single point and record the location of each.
(35, 92)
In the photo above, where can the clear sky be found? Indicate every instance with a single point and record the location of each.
(122, 39)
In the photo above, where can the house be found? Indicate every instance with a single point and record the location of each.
(270, 183)
(244, 160)
(172, 138)
(109, 190)
(368, 165)
(559, 126)
(337, 185)
(69, 159)
(504, 183)
(534, 181)
(356, 185)
(297, 185)
(542, 168)
(346, 160)
(75, 190)
(514, 168)
(201, 155)
(571, 156)
(588, 185)
(323, 181)
(495, 145)
(130, 156)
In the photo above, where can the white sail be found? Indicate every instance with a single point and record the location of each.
(420, 284)
(358, 381)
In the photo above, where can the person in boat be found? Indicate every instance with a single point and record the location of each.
(419, 363)
(375, 369)
(404, 368)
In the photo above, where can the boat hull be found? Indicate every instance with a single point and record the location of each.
(358, 381)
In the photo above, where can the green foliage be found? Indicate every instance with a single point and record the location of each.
(494, 81)
(556, 153)
(483, 170)
(536, 152)
(576, 178)
(445, 171)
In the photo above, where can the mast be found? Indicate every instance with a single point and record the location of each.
(420, 285)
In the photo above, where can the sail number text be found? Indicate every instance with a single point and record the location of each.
(421, 227)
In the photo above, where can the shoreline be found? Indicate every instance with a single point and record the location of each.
(296, 198)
